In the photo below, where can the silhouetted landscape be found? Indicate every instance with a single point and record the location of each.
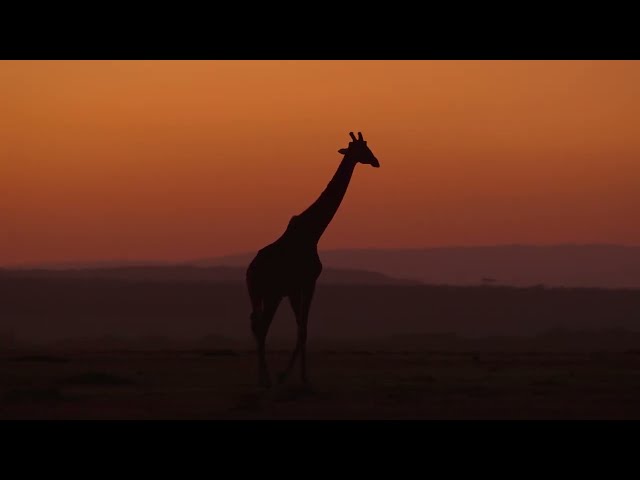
(191, 302)
(300, 239)
(174, 342)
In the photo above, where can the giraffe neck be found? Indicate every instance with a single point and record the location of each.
(315, 219)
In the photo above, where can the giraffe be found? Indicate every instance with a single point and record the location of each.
(290, 266)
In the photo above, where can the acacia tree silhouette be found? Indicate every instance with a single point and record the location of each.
(290, 266)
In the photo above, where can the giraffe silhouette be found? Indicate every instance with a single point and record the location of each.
(290, 266)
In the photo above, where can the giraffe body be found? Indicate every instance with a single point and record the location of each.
(290, 266)
(281, 267)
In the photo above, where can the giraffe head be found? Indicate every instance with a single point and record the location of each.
(359, 151)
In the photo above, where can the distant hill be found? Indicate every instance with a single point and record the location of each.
(599, 266)
(580, 266)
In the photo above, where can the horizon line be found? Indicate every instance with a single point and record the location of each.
(191, 260)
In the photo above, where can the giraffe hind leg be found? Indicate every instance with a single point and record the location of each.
(257, 302)
(260, 323)
(296, 300)
(259, 334)
(255, 317)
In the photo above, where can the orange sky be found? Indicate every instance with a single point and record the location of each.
(180, 160)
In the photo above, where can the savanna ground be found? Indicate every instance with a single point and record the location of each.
(357, 384)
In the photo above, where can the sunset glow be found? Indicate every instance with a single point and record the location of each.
(176, 160)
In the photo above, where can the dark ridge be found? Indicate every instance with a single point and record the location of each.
(188, 274)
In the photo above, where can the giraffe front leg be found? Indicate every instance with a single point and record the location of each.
(263, 372)
(307, 297)
(302, 338)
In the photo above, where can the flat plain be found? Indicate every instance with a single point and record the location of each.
(358, 384)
